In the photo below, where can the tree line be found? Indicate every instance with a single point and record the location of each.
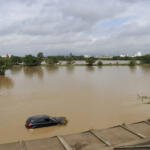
(30, 60)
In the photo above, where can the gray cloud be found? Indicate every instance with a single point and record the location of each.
(81, 26)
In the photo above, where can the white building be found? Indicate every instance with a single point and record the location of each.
(138, 54)
(122, 55)
(86, 56)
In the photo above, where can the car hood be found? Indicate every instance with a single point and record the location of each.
(58, 119)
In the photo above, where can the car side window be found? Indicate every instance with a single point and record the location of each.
(46, 119)
(40, 120)
(43, 120)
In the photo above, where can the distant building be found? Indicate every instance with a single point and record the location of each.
(86, 56)
(105, 57)
(122, 55)
(138, 54)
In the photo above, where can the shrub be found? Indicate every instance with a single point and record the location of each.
(15, 60)
(90, 61)
(30, 60)
(70, 60)
(132, 62)
(51, 60)
(5, 63)
(100, 63)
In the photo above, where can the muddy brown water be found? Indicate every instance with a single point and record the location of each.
(90, 97)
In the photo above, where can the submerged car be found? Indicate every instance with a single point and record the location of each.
(44, 121)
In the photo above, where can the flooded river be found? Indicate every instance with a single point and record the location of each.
(90, 97)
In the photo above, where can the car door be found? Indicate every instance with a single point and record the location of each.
(41, 122)
(47, 122)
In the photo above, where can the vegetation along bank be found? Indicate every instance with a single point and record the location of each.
(30, 60)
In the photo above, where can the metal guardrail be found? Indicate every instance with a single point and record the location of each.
(133, 132)
(100, 138)
(136, 147)
(64, 143)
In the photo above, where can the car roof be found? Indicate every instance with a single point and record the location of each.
(37, 117)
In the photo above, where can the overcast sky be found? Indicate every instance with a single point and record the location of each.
(94, 27)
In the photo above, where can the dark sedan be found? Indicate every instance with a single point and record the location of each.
(43, 121)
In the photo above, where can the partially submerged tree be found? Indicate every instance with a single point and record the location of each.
(15, 60)
(100, 63)
(132, 62)
(70, 60)
(5, 63)
(30, 60)
(40, 56)
(145, 59)
(51, 60)
(90, 61)
(2, 67)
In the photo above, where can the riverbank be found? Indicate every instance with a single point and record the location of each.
(83, 63)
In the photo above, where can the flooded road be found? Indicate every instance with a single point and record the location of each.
(90, 97)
